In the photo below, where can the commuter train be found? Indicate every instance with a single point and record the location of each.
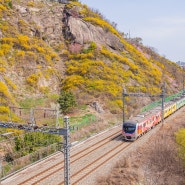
(140, 124)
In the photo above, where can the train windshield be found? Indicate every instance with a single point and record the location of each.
(129, 128)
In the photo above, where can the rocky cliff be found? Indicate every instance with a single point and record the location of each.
(47, 46)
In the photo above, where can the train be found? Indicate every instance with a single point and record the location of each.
(140, 124)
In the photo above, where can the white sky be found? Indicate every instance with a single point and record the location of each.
(160, 23)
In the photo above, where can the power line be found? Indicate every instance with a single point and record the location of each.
(162, 95)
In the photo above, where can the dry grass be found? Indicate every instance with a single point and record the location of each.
(155, 163)
(89, 130)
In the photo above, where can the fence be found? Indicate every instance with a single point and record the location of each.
(38, 116)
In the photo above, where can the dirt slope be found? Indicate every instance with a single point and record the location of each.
(155, 163)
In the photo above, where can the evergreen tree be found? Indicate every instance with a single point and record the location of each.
(66, 101)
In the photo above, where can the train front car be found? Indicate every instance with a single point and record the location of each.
(129, 130)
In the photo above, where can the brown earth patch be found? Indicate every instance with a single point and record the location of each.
(155, 163)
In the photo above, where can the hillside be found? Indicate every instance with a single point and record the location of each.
(46, 47)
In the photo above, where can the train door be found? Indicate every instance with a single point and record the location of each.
(140, 129)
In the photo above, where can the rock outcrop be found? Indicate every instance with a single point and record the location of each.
(58, 23)
(78, 31)
(85, 32)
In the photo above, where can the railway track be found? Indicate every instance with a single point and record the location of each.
(54, 165)
(114, 152)
(86, 158)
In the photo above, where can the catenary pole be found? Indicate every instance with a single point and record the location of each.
(144, 95)
(124, 94)
(163, 100)
(67, 152)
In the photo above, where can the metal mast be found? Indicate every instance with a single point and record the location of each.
(144, 95)
(124, 94)
(66, 152)
(163, 99)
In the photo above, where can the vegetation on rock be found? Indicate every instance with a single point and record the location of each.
(40, 67)
(95, 70)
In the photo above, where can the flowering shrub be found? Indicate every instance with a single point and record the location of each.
(10, 83)
(33, 80)
(105, 25)
(4, 110)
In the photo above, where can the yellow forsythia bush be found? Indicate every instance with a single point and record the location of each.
(102, 23)
(4, 110)
(10, 83)
(23, 41)
(33, 79)
(4, 89)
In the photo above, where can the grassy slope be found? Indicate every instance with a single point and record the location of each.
(98, 73)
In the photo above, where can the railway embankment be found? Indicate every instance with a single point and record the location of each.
(155, 162)
(107, 159)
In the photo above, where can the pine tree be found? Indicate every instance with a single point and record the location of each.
(66, 101)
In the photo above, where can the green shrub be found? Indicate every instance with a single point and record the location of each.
(66, 101)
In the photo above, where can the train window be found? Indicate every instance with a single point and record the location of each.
(129, 128)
